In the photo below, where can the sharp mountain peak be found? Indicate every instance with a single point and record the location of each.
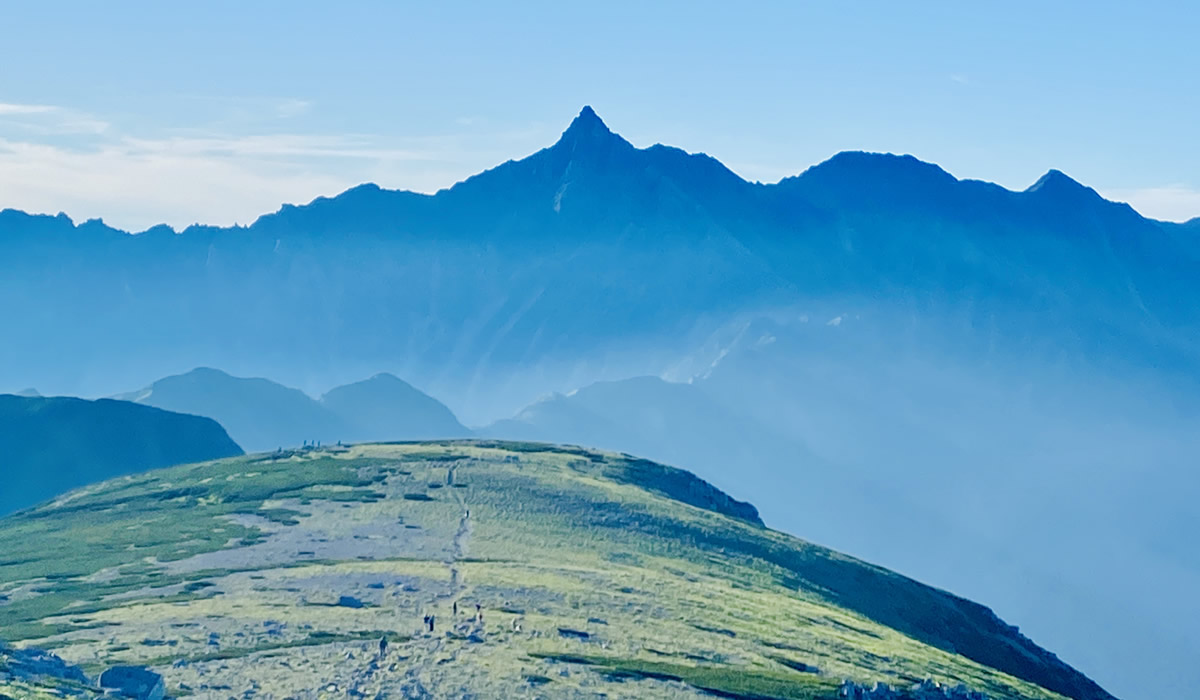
(588, 132)
(1058, 182)
(588, 143)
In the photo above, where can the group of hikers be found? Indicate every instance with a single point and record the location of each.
(430, 622)
(431, 619)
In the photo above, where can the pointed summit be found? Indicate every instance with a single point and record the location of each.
(589, 132)
(588, 122)
(1057, 182)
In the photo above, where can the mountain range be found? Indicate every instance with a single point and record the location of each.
(263, 415)
(992, 390)
(547, 263)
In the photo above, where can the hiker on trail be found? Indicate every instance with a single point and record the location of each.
(456, 608)
(426, 621)
(382, 647)
(432, 619)
(478, 613)
(516, 625)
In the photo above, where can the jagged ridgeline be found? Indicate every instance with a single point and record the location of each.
(548, 571)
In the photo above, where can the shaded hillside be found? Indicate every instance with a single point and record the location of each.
(592, 572)
(56, 444)
(264, 415)
(386, 407)
(260, 414)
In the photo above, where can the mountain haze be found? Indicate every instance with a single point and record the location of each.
(674, 423)
(265, 415)
(543, 261)
(387, 407)
(259, 413)
(988, 389)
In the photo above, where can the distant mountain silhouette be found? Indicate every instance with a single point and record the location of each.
(386, 407)
(264, 415)
(56, 444)
(260, 414)
(547, 262)
(665, 421)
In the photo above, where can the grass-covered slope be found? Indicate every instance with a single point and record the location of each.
(55, 444)
(594, 573)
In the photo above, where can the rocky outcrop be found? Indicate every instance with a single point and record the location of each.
(927, 689)
(35, 664)
(133, 682)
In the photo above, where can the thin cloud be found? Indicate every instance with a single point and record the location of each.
(137, 188)
(134, 183)
(49, 119)
(276, 146)
(292, 108)
(56, 159)
(8, 109)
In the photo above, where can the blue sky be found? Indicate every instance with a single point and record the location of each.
(219, 111)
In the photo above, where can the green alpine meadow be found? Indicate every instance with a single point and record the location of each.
(473, 569)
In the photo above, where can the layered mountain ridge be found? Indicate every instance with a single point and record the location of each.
(931, 364)
(264, 415)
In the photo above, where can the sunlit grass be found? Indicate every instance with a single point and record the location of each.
(631, 574)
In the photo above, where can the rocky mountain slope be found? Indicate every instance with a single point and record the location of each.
(479, 569)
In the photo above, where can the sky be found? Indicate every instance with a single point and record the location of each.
(143, 112)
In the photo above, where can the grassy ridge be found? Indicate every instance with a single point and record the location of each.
(591, 569)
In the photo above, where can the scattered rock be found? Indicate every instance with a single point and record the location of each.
(927, 689)
(349, 601)
(569, 633)
(31, 663)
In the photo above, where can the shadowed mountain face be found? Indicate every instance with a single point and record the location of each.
(264, 415)
(676, 423)
(386, 407)
(536, 275)
(56, 444)
(258, 413)
(989, 375)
